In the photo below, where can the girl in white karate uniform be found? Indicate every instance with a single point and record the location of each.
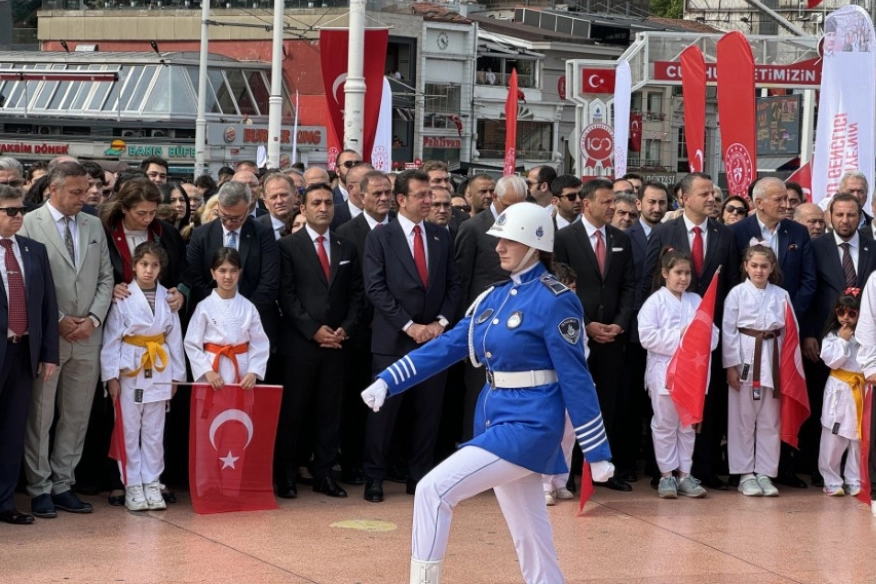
(754, 316)
(142, 355)
(225, 341)
(663, 318)
(843, 399)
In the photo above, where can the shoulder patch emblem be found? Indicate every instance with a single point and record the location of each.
(484, 316)
(553, 284)
(570, 329)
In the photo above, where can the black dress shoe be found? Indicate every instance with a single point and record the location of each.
(70, 503)
(411, 487)
(373, 491)
(287, 489)
(615, 484)
(116, 500)
(655, 482)
(168, 496)
(791, 480)
(15, 517)
(353, 477)
(328, 486)
(817, 479)
(628, 476)
(41, 506)
(712, 481)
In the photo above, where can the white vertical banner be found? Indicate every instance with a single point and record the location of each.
(846, 120)
(295, 132)
(623, 85)
(381, 154)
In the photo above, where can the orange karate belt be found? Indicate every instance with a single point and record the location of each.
(229, 352)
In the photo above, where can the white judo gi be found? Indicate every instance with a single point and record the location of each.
(144, 420)
(753, 426)
(663, 319)
(227, 323)
(840, 414)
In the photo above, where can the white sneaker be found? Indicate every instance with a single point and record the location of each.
(834, 491)
(750, 488)
(853, 490)
(153, 496)
(135, 500)
(667, 488)
(564, 494)
(549, 499)
(766, 485)
(690, 487)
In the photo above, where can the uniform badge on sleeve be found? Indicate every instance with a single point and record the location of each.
(484, 316)
(570, 328)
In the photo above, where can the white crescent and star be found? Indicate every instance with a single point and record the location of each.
(594, 84)
(339, 80)
(699, 156)
(228, 416)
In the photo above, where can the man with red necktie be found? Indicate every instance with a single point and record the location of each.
(411, 279)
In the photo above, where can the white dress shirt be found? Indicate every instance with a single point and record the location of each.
(225, 233)
(854, 247)
(646, 228)
(591, 233)
(58, 217)
(770, 238)
(277, 225)
(408, 229)
(325, 244)
(344, 192)
(134, 238)
(354, 210)
(16, 251)
(689, 225)
(372, 222)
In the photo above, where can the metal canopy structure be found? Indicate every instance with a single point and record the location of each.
(132, 86)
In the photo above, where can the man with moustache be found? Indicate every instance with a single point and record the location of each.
(439, 177)
(440, 214)
(479, 192)
(345, 161)
(411, 280)
(566, 193)
(626, 211)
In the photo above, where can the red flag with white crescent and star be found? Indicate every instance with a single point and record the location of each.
(511, 125)
(792, 380)
(231, 447)
(693, 85)
(688, 373)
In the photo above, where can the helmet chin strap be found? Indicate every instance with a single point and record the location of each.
(524, 261)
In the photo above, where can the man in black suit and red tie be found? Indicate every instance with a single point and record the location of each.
(711, 245)
(29, 347)
(321, 300)
(602, 257)
(411, 280)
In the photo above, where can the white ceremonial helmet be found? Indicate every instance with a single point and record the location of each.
(525, 223)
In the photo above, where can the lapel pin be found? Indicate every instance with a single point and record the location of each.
(25, 249)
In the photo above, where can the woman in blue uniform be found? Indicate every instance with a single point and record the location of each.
(528, 335)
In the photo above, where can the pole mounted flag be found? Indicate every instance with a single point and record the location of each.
(511, 126)
(736, 111)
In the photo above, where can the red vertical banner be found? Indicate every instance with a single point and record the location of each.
(511, 126)
(693, 85)
(333, 47)
(635, 132)
(736, 111)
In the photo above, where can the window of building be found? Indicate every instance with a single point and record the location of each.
(441, 100)
(651, 152)
(496, 70)
(534, 139)
(654, 109)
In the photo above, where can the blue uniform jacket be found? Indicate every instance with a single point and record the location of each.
(533, 325)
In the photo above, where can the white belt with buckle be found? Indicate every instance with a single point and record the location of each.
(521, 379)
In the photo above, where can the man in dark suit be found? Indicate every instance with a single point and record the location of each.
(251, 179)
(281, 197)
(855, 182)
(791, 244)
(602, 258)
(411, 279)
(478, 265)
(377, 213)
(234, 227)
(844, 258)
(439, 177)
(566, 190)
(321, 299)
(345, 161)
(539, 179)
(353, 206)
(31, 351)
(695, 231)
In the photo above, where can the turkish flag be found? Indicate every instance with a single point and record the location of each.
(693, 85)
(333, 48)
(812, 3)
(511, 125)
(795, 399)
(597, 80)
(864, 495)
(688, 373)
(117, 450)
(231, 447)
(803, 177)
(635, 132)
(736, 111)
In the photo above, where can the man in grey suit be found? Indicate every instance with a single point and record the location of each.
(83, 277)
(478, 266)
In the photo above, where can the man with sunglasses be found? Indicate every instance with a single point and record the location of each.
(539, 179)
(10, 172)
(346, 160)
(566, 190)
(29, 349)
(354, 204)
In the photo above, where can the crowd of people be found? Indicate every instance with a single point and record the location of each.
(319, 282)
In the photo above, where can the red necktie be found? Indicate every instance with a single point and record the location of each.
(420, 256)
(600, 252)
(323, 256)
(696, 251)
(17, 297)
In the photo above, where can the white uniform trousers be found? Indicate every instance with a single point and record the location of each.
(753, 426)
(830, 457)
(144, 438)
(468, 472)
(673, 444)
(553, 482)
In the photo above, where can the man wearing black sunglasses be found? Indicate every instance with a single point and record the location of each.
(346, 160)
(566, 190)
(10, 172)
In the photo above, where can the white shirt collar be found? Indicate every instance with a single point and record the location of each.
(56, 215)
(277, 223)
(763, 228)
(372, 222)
(225, 231)
(591, 229)
(689, 225)
(408, 226)
(313, 234)
(645, 227)
(853, 242)
(344, 192)
(493, 211)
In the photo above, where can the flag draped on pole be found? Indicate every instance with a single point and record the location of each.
(846, 118)
(803, 177)
(622, 95)
(381, 154)
(688, 373)
(511, 126)
(231, 447)
(693, 85)
(795, 399)
(736, 112)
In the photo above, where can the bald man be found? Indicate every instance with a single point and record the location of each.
(314, 175)
(811, 217)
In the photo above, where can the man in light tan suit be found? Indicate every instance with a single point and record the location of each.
(83, 276)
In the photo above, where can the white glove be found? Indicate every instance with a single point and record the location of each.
(375, 395)
(601, 471)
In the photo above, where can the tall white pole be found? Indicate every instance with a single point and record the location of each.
(275, 102)
(807, 126)
(354, 88)
(201, 119)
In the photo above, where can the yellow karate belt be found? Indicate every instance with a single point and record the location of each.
(857, 383)
(154, 352)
